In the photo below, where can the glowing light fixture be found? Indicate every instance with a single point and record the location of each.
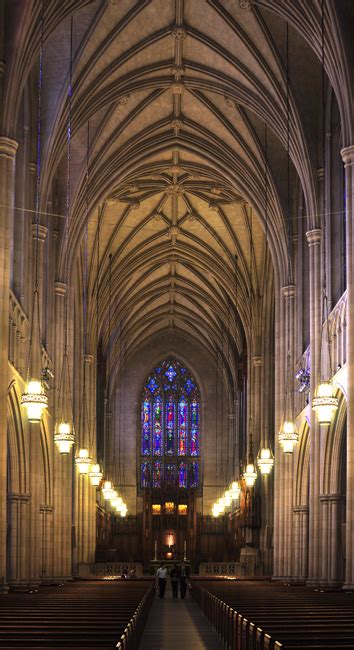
(64, 437)
(107, 489)
(83, 461)
(95, 475)
(325, 404)
(34, 400)
(250, 474)
(265, 461)
(235, 490)
(288, 437)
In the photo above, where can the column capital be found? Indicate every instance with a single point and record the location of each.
(42, 232)
(257, 361)
(289, 291)
(232, 416)
(33, 168)
(88, 358)
(320, 173)
(8, 147)
(348, 155)
(60, 288)
(108, 415)
(314, 236)
(302, 509)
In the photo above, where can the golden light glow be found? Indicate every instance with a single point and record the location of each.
(325, 404)
(156, 508)
(83, 461)
(95, 475)
(288, 437)
(182, 509)
(169, 507)
(34, 400)
(250, 475)
(265, 461)
(64, 438)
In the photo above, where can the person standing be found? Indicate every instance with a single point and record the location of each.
(183, 579)
(162, 579)
(174, 575)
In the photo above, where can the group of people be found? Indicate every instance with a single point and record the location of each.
(178, 575)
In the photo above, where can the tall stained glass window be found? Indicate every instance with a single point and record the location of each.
(170, 430)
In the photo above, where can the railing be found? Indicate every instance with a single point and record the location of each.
(211, 569)
(234, 630)
(132, 634)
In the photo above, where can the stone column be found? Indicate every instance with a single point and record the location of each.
(8, 150)
(301, 514)
(62, 464)
(86, 493)
(47, 544)
(257, 403)
(288, 461)
(348, 159)
(334, 576)
(314, 242)
(42, 234)
(325, 544)
(279, 396)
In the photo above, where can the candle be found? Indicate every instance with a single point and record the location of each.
(185, 550)
(155, 558)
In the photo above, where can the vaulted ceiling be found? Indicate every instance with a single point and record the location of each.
(173, 97)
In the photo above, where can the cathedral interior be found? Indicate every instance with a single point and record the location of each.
(177, 290)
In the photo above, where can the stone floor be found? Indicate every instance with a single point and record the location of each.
(177, 624)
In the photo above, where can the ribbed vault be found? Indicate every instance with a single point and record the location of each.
(177, 94)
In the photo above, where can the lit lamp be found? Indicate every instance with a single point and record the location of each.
(95, 475)
(107, 489)
(117, 503)
(123, 511)
(215, 510)
(265, 461)
(288, 437)
(83, 461)
(227, 498)
(64, 438)
(235, 490)
(221, 505)
(250, 474)
(34, 400)
(325, 404)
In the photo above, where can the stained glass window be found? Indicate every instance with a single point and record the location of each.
(194, 429)
(157, 427)
(170, 427)
(182, 477)
(146, 428)
(182, 427)
(156, 474)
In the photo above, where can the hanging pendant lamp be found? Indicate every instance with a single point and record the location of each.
(250, 474)
(34, 398)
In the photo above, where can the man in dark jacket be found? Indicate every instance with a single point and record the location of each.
(174, 576)
(183, 579)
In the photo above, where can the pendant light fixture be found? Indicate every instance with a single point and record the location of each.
(83, 460)
(34, 398)
(250, 474)
(288, 436)
(64, 436)
(325, 404)
(265, 460)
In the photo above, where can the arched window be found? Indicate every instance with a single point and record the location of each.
(170, 436)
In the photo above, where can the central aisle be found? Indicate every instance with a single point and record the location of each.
(175, 624)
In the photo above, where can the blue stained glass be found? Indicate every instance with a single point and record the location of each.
(183, 371)
(170, 373)
(194, 429)
(166, 386)
(145, 474)
(182, 475)
(157, 427)
(146, 428)
(189, 386)
(152, 385)
(193, 474)
(182, 427)
(170, 426)
(156, 474)
(170, 474)
(158, 370)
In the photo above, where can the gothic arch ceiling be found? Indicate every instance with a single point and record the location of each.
(176, 93)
